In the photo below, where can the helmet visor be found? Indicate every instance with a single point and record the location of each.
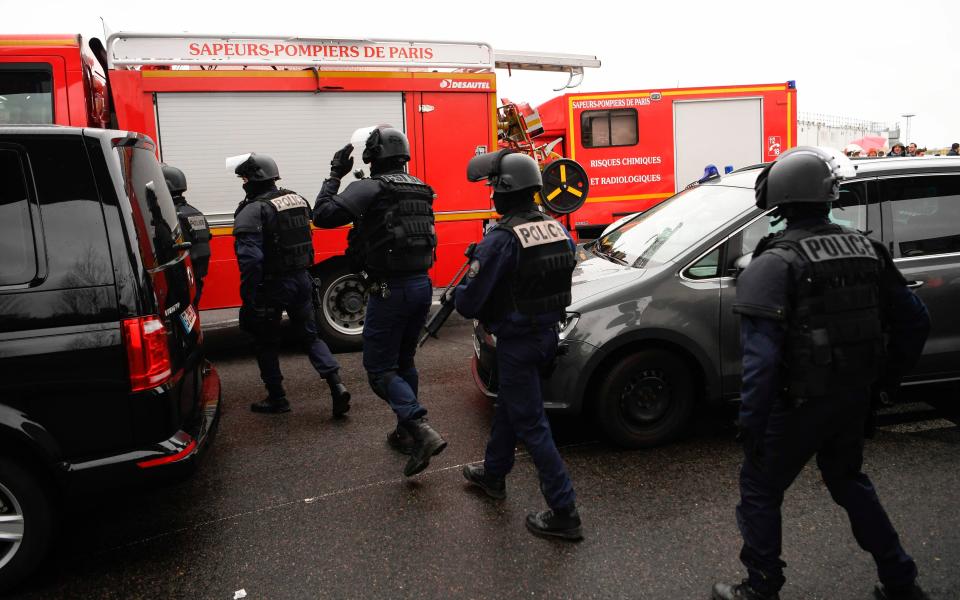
(485, 166)
(233, 162)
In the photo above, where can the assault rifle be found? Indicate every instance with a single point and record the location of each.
(434, 323)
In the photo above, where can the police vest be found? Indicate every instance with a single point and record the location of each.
(287, 241)
(834, 330)
(197, 232)
(542, 282)
(397, 234)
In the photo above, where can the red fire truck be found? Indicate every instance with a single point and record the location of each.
(203, 98)
(639, 147)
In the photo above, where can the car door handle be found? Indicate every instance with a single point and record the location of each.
(914, 284)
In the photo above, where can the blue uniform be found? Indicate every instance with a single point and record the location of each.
(525, 347)
(392, 324)
(781, 438)
(265, 297)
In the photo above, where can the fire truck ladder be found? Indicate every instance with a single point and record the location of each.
(572, 64)
(130, 50)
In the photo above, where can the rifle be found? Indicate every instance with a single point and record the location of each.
(434, 323)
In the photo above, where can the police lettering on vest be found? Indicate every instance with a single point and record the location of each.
(829, 247)
(544, 232)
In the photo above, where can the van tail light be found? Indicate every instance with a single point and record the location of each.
(147, 353)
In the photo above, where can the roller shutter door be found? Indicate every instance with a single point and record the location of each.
(301, 131)
(718, 132)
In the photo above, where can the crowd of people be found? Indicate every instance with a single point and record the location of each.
(898, 149)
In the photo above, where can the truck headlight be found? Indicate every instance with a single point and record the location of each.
(568, 323)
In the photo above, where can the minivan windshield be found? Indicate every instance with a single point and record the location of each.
(669, 229)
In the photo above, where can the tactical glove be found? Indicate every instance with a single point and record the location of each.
(342, 162)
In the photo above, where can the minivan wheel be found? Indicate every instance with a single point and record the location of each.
(646, 399)
(343, 307)
(26, 523)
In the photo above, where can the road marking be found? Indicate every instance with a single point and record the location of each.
(311, 500)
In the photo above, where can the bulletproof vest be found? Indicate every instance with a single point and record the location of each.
(834, 330)
(397, 234)
(287, 240)
(541, 284)
(197, 232)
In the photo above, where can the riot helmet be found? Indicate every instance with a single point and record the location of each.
(254, 167)
(176, 180)
(382, 142)
(505, 171)
(803, 175)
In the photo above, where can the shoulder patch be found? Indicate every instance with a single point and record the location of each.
(837, 246)
(288, 202)
(537, 233)
(197, 222)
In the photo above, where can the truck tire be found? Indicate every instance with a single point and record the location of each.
(646, 399)
(26, 523)
(343, 306)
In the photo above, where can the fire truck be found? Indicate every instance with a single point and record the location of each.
(203, 98)
(639, 147)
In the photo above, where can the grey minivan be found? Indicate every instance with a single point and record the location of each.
(651, 332)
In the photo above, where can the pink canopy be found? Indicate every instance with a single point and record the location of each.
(871, 142)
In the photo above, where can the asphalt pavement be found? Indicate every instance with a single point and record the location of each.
(304, 506)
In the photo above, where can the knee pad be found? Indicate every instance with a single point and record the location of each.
(380, 382)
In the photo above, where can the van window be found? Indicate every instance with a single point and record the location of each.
(605, 128)
(26, 94)
(78, 254)
(925, 213)
(850, 210)
(152, 204)
(17, 247)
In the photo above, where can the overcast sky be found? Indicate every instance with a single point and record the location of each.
(872, 60)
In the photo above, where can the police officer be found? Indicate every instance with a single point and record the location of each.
(194, 225)
(274, 249)
(393, 241)
(813, 304)
(518, 286)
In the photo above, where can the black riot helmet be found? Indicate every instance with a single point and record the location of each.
(176, 180)
(505, 171)
(255, 167)
(803, 175)
(384, 142)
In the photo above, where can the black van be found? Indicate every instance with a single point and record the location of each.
(102, 374)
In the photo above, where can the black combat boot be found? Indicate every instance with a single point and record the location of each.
(427, 443)
(563, 523)
(271, 405)
(495, 487)
(910, 592)
(340, 395)
(400, 440)
(740, 591)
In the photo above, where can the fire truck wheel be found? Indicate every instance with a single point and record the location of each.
(342, 306)
(26, 522)
(646, 399)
